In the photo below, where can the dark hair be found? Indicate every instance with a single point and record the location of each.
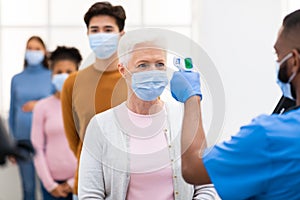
(105, 8)
(65, 53)
(45, 61)
(291, 26)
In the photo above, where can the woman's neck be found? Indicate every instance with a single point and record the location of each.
(141, 107)
(110, 64)
(57, 94)
(34, 67)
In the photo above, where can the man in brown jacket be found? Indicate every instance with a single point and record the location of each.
(99, 86)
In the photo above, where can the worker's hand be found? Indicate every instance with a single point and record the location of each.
(185, 85)
(28, 106)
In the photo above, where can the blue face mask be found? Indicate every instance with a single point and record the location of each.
(58, 81)
(285, 86)
(34, 57)
(149, 85)
(104, 45)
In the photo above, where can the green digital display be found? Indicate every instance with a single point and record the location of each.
(188, 63)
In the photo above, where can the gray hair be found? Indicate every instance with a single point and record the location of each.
(139, 39)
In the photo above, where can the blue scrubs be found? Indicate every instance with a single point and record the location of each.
(261, 162)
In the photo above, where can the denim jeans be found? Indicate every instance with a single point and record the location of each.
(47, 196)
(27, 173)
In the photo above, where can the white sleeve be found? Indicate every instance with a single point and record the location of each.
(205, 192)
(90, 181)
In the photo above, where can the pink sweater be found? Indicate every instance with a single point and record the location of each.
(151, 173)
(54, 159)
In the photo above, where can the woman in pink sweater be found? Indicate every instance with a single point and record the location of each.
(54, 161)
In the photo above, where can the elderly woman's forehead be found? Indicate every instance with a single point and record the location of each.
(147, 50)
(149, 53)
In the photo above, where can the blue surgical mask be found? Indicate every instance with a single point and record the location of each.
(285, 86)
(149, 85)
(34, 57)
(58, 81)
(104, 45)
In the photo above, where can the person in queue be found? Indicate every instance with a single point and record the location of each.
(132, 151)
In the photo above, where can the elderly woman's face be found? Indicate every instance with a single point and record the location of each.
(145, 73)
(147, 59)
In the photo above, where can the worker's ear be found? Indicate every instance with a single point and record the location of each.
(296, 62)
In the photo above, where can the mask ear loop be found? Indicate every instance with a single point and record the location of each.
(125, 67)
(292, 77)
(285, 59)
(127, 70)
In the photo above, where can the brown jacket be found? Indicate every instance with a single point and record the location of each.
(86, 93)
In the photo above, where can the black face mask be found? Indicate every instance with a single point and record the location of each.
(282, 73)
(283, 77)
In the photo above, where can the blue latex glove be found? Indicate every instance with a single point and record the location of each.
(184, 85)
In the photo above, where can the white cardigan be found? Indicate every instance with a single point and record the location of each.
(104, 171)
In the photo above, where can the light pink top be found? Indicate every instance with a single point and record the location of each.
(151, 172)
(54, 159)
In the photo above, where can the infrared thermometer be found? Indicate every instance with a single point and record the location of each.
(183, 64)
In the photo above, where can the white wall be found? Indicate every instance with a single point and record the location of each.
(239, 38)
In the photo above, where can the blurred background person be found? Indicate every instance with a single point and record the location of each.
(54, 161)
(28, 87)
(9, 147)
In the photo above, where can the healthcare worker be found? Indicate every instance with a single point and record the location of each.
(262, 161)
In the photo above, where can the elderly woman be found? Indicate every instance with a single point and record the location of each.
(132, 151)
